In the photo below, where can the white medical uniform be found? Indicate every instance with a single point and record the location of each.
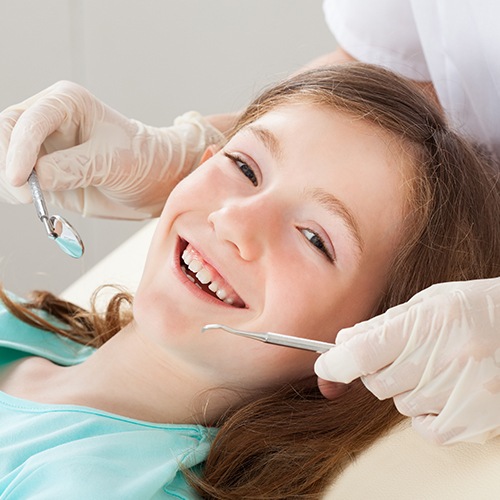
(453, 43)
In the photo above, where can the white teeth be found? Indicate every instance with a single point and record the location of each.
(195, 266)
(187, 257)
(204, 276)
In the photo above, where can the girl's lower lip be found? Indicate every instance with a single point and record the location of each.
(190, 286)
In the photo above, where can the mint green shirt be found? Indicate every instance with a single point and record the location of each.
(74, 452)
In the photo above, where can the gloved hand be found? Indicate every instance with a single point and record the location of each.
(437, 355)
(91, 159)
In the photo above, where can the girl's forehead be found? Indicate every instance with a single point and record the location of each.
(294, 106)
(321, 124)
(326, 135)
(297, 114)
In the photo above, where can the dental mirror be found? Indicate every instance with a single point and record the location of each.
(58, 228)
(67, 238)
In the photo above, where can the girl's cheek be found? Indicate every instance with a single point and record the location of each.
(186, 188)
(208, 182)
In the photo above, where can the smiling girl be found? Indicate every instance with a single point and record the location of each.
(340, 193)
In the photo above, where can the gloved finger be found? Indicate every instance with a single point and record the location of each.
(32, 128)
(394, 380)
(8, 119)
(423, 424)
(427, 426)
(331, 390)
(14, 195)
(429, 378)
(414, 403)
(337, 365)
(9, 193)
(69, 169)
(433, 430)
(367, 352)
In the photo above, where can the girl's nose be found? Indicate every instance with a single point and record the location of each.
(247, 224)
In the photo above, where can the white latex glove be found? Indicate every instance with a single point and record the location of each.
(437, 355)
(91, 159)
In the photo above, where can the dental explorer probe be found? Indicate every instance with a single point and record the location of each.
(275, 338)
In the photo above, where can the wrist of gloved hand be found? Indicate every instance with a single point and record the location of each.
(166, 155)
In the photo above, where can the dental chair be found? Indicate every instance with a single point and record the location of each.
(399, 466)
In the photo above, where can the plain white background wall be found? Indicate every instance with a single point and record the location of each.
(152, 60)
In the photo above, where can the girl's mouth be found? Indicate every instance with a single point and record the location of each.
(206, 277)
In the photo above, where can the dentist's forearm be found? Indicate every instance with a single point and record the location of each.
(224, 123)
(340, 56)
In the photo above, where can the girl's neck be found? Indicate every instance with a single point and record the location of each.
(125, 376)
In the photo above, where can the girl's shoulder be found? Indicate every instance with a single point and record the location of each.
(18, 339)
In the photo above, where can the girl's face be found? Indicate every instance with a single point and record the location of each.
(290, 228)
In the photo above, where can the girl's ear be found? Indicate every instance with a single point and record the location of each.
(209, 152)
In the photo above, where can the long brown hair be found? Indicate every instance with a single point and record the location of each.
(292, 443)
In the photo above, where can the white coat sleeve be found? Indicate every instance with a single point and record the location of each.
(379, 32)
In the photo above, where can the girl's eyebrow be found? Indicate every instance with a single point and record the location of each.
(338, 208)
(268, 138)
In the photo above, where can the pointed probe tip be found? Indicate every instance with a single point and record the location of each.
(211, 326)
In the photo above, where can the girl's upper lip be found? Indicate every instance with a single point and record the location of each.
(184, 242)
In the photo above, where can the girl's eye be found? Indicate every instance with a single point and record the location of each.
(317, 241)
(246, 170)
